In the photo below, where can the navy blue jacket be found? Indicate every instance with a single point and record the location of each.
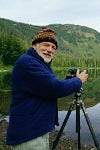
(35, 90)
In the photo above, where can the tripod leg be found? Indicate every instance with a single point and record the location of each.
(62, 127)
(78, 124)
(90, 127)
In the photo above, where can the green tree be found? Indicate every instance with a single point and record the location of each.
(10, 48)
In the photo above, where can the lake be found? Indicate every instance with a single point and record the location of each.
(90, 96)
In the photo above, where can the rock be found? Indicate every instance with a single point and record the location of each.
(63, 144)
(67, 144)
(3, 127)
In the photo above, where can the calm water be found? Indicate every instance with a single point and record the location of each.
(70, 127)
(90, 97)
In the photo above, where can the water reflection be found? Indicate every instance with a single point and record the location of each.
(5, 92)
(91, 90)
(70, 128)
(5, 98)
(90, 93)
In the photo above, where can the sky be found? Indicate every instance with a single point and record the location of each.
(45, 12)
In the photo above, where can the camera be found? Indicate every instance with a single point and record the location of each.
(71, 73)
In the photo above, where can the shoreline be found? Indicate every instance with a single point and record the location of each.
(67, 144)
(63, 144)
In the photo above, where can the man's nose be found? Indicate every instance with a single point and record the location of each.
(50, 49)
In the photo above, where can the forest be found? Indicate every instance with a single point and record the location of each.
(78, 46)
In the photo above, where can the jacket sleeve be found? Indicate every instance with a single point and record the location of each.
(34, 78)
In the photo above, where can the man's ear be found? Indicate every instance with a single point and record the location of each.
(34, 46)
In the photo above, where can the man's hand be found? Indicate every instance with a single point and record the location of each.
(83, 75)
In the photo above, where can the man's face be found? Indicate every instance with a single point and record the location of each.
(46, 50)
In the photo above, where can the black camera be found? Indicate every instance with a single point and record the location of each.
(71, 73)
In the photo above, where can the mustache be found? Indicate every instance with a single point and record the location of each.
(49, 54)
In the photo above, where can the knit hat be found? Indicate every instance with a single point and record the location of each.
(45, 35)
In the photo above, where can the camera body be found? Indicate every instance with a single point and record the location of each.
(71, 73)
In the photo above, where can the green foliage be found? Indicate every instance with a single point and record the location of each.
(10, 48)
(62, 60)
(77, 45)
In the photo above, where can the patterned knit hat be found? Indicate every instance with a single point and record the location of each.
(45, 35)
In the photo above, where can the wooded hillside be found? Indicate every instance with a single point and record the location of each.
(77, 45)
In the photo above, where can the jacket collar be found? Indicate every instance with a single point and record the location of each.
(33, 53)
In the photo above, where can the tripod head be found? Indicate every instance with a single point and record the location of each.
(77, 94)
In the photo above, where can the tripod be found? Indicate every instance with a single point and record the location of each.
(79, 105)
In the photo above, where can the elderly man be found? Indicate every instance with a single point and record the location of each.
(35, 89)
